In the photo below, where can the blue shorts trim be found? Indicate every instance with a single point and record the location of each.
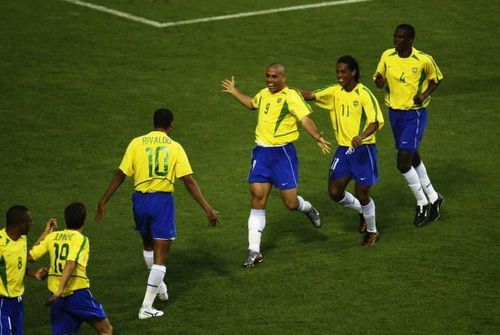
(154, 215)
(11, 316)
(68, 313)
(408, 128)
(276, 165)
(359, 164)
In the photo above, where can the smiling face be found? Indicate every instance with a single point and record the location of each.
(403, 42)
(275, 78)
(346, 76)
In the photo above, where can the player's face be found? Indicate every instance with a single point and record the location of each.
(402, 42)
(275, 79)
(345, 75)
(26, 224)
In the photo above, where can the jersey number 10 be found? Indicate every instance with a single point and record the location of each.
(158, 161)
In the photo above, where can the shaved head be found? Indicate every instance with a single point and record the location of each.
(280, 68)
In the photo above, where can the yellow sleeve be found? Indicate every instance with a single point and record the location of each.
(297, 105)
(371, 108)
(127, 164)
(434, 73)
(381, 67)
(182, 166)
(325, 98)
(40, 249)
(256, 100)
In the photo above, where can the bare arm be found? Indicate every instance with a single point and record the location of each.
(370, 129)
(229, 86)
(380, 81)
(117, 180)
(309, 125)
(195, 192)
(66, 274)
(39, 274)
(308, 96)
(420, 98)
(49, 227)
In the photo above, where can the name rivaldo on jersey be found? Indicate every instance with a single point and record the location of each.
(155, 140)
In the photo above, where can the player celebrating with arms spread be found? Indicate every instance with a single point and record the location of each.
(356, 116)
(409, 77)
(274, 160)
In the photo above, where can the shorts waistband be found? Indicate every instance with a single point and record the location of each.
(407, 110)
(152, 192)
(20, 298)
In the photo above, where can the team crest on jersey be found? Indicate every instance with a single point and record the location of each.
(279, 100)
(414, 70)
(355, 103)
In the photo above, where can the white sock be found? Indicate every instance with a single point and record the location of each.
(155, 278)
(304, 205)
(350, 201)
(426, 182)
(369, 215)
(256, 224)
(414, 184)
(148, 259)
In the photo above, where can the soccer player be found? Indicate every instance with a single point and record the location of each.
(355, 116)
(71, 302)
(274, 160)
(13, 255)
(155, 160)
(409, 77)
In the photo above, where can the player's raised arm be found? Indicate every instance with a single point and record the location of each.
(308, 95)
(229, 86)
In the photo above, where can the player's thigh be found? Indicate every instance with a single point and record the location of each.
(260, 194)
(364, 165)
(11, 316)
(340, 164)
(162, 214)
(285, 168)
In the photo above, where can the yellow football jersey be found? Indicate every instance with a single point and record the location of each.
(12, 265)
(155, 160)
(278, 114)
(350, 112)
(62, 246)
(407, 77)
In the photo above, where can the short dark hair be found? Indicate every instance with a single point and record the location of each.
(352, 63)
(408, 28)
(15, 215)
(163, 118)
(75, 215)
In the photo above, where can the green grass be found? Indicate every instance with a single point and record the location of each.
(76, 85)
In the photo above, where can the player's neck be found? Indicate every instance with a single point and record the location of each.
(14, 235)
(405, 53)
(350, 86)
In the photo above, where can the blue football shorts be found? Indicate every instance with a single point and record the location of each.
(408, 128)
(68, 313)
(154, 215)
(11, 316)
(276, 165)
(360, 164)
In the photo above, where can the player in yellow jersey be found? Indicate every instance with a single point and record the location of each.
(155, 160)
(274, 160)
(71, 302)
(409, 77)
(355, 116)
(13, 255)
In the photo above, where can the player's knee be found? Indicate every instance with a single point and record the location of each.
(336, 195)
(291, 204)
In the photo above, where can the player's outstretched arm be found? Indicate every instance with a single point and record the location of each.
(195, 191)
(229, 86)
(308, 95)
(311, 129)
(117, 180)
